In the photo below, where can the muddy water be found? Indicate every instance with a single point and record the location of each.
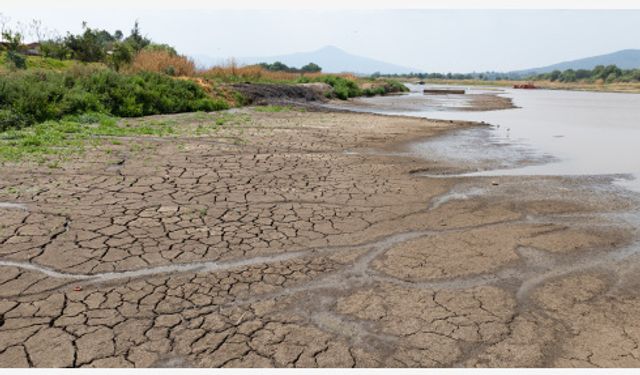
(553, 132)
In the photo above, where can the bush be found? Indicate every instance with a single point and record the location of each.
(343, 88)
(380, 90)
(154, 47)
(121, 54)
(55, 48)
(32, 97)
(311, 68)
(12, 41)
(395, 86)
(10, 120)
(16, 60)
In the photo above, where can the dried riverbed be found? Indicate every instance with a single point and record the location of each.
(310, 239)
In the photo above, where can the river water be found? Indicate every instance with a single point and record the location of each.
(552, 132)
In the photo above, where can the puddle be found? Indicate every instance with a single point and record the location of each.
(480, 149)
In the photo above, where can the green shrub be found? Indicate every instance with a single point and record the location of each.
(343, 88)
(76, 100)
(395, 86)
(240, 99)
(16, 60)
(10, 119)
(380, 90)
(36, 96)
(55, 48)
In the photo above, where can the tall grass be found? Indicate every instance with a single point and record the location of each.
(38, 62)
(344, 85)
(161, 61)
(231, 72)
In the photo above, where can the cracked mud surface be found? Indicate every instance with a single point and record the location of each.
(291, 248)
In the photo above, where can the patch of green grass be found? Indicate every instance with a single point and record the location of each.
(51, 141)
(71, 135)
(11, 190)
(273, 108)
(278, 108)
(232, 118)
(200, 116)
(203, 212)
(39, 62)
(54, 164)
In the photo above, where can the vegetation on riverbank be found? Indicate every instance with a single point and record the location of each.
(31, 97)
(97, 71)
(51, 141)
(600, 78)
(598, 75)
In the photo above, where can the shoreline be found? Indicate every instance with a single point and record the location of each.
(620, 88)
(393, 103)
(320, 247)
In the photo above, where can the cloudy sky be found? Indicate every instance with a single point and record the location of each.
(428, 40)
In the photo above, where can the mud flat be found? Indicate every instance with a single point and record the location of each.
(416, 101)
(310, 239)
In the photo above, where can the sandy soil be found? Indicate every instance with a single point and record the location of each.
(284, 241)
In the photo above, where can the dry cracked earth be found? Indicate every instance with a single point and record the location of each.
(308, 239)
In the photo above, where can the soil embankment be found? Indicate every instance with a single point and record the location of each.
(263, 93)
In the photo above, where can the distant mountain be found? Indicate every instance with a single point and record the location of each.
(331, 59)
(625, 59)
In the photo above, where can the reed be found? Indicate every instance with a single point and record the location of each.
(160, 61)
(231, 71)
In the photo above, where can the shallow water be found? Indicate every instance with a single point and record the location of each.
(553, 132)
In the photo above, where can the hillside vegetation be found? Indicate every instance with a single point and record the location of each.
(114, 74)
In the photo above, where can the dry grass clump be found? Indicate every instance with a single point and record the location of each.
(162, 62)
(231, 71)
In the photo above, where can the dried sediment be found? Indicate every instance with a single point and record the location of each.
(291, 248)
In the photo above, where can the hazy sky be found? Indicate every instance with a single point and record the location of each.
(428, 40)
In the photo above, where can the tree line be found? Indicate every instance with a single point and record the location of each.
(91, 45)
(601, 73)
(280, 67)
